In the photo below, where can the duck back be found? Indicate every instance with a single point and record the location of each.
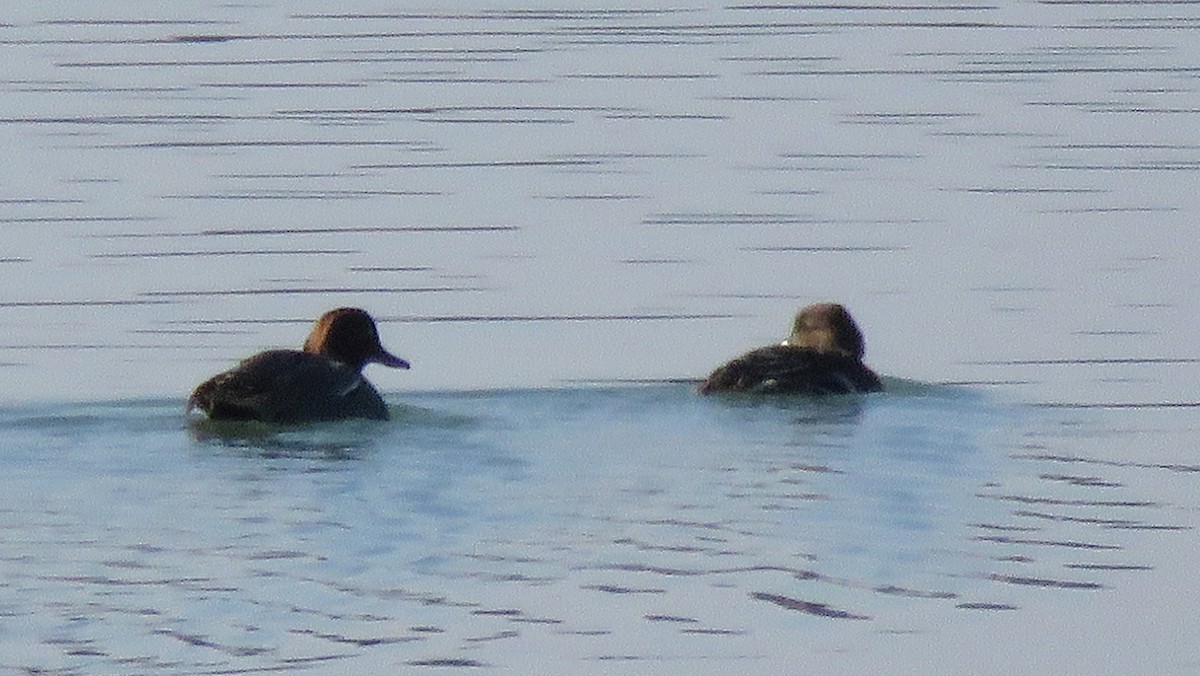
(288, 386)
(785, 369)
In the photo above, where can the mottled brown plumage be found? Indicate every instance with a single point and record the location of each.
(324, 381)
(823, 355)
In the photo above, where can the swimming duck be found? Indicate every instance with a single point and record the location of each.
(822, 356)
(322, 381)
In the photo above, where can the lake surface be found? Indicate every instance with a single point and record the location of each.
(561, 217)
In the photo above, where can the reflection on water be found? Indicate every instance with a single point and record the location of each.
(478, 525)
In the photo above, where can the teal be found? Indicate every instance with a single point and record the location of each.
(823, 355)
(322, 381)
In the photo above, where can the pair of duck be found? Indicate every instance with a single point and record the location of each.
(324, 379)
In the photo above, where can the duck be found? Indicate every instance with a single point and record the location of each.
(321, 381)
(823, 355)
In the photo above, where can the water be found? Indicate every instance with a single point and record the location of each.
(636, 525)
(560, 216)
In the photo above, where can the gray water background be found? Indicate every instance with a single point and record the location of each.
(538, 203)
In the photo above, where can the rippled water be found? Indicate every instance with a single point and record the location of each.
(542, 205)
(586, 526)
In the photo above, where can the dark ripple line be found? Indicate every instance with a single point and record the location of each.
(810, 607)
(269, 144)
(359, 642)
(132, 119)
(1116, 2)
(41, 200)
(1023, 499)
(81, 219)
(684, 34)
(1111, 210)
(1116, 332)
(1118, 146)
(1030, 191)
(95, 89)
(282, 85)
(285, 174)
(960, 72)
(1069, 544)
(757, 28)
(393, 268)
(255, 232)
(892, 590)
(1108, 463)
(1006, 529)
(496, 120)
(1084, 481)
(863, 7)
(1118, 405)
(447, 79)
(757, 58)
(1107, 566)
(910, 116)
(427, 52)
(201, 641)
(420, 319)
(196, 39)
(1011, 289)
(248, 252)
(1166, 23)
(113, 581)
(602, 197)
(969, 383)
(1043, 582)
(190, 332)
(302, 290)
(1149, 166)
(671, 618)
(665, 116)
(559, 318)
(294, 61)
(825, 249)
(428, 110)
(505, 14)
(684, 218)
(623, 155)
(99, 346)
(79, 303)
(1148, 526)
(668, 30)
(136, 22)
(617, 589)
(852, 156)
(1092, 360)
(796, 573)
(484, 164)
(749, 296)
(304, 194)
(714, 632)
(640, 76)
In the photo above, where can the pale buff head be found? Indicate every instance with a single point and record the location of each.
(827, 327)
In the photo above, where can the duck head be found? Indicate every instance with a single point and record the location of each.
(349, 335)
(827, 327)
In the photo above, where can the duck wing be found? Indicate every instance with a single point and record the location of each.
(288, 386)
(784, 369)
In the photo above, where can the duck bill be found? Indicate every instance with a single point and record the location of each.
(388, 359)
